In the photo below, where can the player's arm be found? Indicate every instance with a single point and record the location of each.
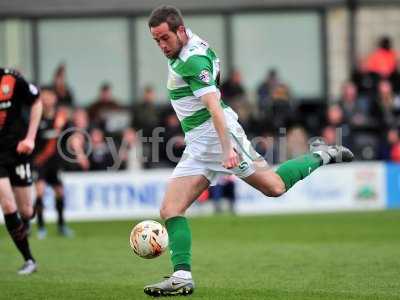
(51, 146)
(30, 95)
(212, 102)
(77, 144)
(199, 75)
(27, 145)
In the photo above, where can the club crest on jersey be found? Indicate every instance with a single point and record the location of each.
(205, 76)
(5, 89)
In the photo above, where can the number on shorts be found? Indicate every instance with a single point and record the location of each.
(23, 171)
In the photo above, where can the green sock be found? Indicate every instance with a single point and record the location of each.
(299, 168)
(180, 242)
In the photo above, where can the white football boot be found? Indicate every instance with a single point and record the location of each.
(171, 286)
(331, 154)
(28, 268)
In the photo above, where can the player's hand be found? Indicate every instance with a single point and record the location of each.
(83, 162)
(61, 118)
(231, 159)
(26, 146)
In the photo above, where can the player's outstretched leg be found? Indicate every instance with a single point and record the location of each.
(18, 233)
(181, 193)
(274, 184)
(23, 198)
(321, 154)
(16, 227)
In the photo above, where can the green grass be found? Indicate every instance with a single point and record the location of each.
(327, 256)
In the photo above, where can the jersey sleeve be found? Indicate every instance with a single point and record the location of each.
(199, 75)
(27, 92)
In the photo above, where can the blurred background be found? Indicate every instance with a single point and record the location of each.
(313, 67)
(292, 70)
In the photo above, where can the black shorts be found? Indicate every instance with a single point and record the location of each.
(50, 174)
(18, 171)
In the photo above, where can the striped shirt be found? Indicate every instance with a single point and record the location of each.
(193, 74)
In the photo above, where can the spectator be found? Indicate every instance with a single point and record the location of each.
(383, 60)
(355, 109)
(100, 158)
(395, 80)
(146, 114)
(64, 94)
(387, 145)
(296, 142)
(335, 119)
(395, 153)
(281, 93)
(128, 153)
(80, 119)
(77, 158)
(388, 105)
(225, 189)
(266, 88)
(366, 82)
(329, 135)
(234, 94)
(174, 141)
(279, 110)
(103, 105)
(334, 116)
(232, 90)
(74, 143)
(265, 146)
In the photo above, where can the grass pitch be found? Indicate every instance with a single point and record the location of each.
(327, 256)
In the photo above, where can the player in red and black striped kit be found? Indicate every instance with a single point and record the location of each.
(17, 141)
(47, 160)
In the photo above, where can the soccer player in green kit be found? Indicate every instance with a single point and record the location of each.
(215, 143)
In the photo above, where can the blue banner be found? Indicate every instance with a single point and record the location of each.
(393, 185)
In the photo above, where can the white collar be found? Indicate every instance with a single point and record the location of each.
(189, 33)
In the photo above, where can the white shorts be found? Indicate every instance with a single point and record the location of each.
(203, 156)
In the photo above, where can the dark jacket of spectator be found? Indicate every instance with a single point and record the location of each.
(232, 90)
(146, 114)
(60, 86)
(100, 157)
(356, 110)
(266, 88)
(102, 106)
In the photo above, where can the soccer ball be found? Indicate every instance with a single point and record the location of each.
(149, 239)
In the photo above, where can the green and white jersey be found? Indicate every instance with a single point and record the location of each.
(193, 74)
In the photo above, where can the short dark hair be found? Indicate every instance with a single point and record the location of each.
(385, 42)
(60, 69)
(168, 14)
(47, 88)
(105, 86)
